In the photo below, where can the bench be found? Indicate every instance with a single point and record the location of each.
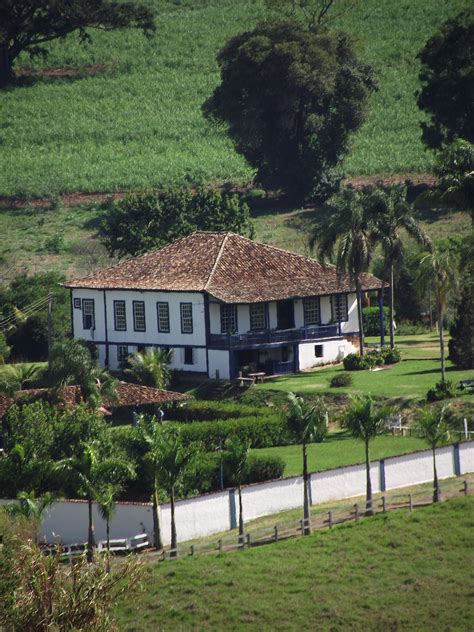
(245, 380)
(464, 384)
(257, 377)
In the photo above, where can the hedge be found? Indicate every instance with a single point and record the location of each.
(209, 410)
(371, 319)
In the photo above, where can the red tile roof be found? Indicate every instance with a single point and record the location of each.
(127, 395)
(229, 267)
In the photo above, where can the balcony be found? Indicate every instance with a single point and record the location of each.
(273, 336)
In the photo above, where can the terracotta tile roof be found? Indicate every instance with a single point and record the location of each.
(128, 395)
(229, 267)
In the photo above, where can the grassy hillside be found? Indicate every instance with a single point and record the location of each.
(400, 571)
(128, 114)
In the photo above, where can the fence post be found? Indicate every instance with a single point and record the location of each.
(275, 529)
(191, 550)
(301, 527)
(410, 502)
(384, 508)
(356, 511)
(220, 546)
(330, 519)
(464, 488)
(248, 539)
(241, 540)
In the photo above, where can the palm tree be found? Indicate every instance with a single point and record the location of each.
(151, 368)
(238, 451)
(390, 214)
(106, 505)
(72, 364)
(15, 377)
(439, 271)
(365, 421)
(169, 460)
(344, 236)
(31, 508)
(307, 423)
(90, 472)
(432, 427)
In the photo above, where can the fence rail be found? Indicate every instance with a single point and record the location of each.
(323, 520)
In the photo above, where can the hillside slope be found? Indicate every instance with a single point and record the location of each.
(124, 113)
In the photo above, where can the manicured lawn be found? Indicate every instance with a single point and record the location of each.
(400, 571)
(136, 121)
(411, 378)
(339, 449)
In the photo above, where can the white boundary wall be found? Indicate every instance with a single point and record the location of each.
(212, 513)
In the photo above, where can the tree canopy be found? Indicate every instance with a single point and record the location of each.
(151, 220)
(447, 77)
(27, 25)
(290, 99)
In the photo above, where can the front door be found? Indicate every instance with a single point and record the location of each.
(285, 314)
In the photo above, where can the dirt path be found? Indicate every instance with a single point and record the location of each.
(75, 199)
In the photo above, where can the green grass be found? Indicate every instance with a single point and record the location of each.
(401, 571)
(339, 449)
(409, 379)
(137, 122)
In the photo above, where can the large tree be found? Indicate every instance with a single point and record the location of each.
(447, 78)
(315, 14)
(461, 345)
(151, 220)
(27, 25)
(344, 236)
(290, 99)
(432, 427)
(306, 423)
(391, 215)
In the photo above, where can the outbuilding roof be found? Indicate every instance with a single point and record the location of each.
(231, 268)
(127, 395)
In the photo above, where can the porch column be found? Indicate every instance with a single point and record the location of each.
(382, 328)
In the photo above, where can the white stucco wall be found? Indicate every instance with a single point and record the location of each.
(208, 514)
(351, 325)
(219, 361)
(332, 350)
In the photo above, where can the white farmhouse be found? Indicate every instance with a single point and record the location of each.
(220, 302)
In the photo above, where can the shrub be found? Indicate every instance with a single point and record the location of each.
(355, 362)
(4, 348)
(406, 328)
(262, 432)
(391, 356)
(371, 320)
(263, 468)
(341, 379)
(442, 390)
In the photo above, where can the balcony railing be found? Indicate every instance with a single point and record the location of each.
(269, 336)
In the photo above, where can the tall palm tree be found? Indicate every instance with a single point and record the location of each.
(169, 459)
(307, 423)
(438, 271)
(344, 237)
(90, 472)
(431, 426)
(391, 214)
(106, 504)
(73, 364)
(238, 451)
(151, 368)
(365, 421)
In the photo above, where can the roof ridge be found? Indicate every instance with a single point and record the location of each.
(221, 249)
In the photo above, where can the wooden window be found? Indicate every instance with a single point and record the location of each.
(188, 355)
(139, 323)
(186, 310)
(88, 313)
(122, 354)
(257, 316)
(318, 351)
(163, 317)
(229, 319)
(339, 310)
(120, 316)
(312, 310)
(77, 303)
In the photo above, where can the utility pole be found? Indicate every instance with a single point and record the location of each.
(50, 327)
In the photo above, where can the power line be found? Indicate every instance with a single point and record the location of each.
(26, 312)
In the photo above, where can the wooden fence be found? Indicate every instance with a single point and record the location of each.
(321, 520)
